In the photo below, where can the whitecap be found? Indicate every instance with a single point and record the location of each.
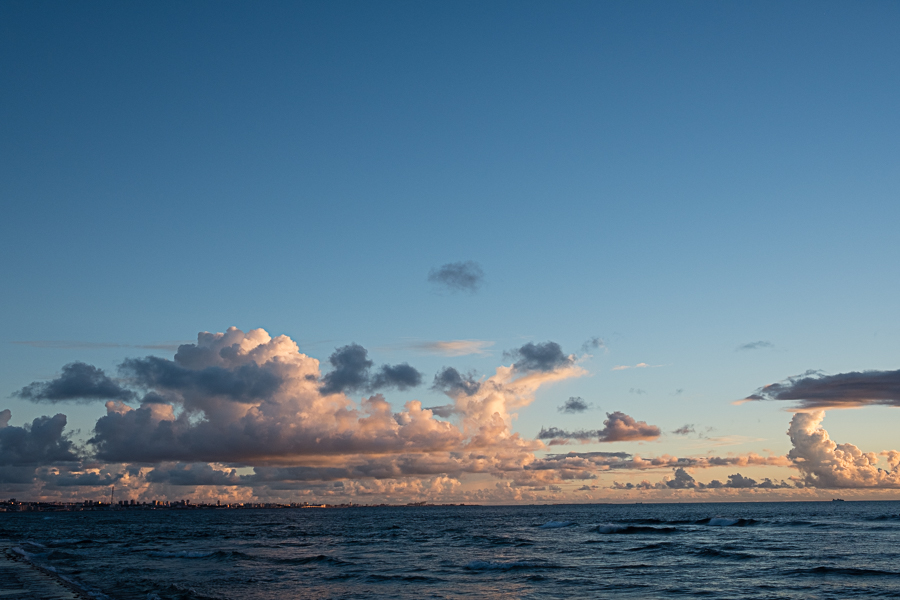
(556, 524)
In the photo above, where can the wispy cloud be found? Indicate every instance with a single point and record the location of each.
(755, 345)
(595, 343)
(454, 347)
(81, 345)
(637, 366)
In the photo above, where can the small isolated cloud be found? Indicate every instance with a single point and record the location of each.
(637, 366)
(637, 391)
(755, 345)
(78, 381)
(455, 347)
(595, 343)
(685, 430)
(618, 427)
(547, 356)
(574, 404)
(812, 390)
(352, 373)
(458, 277)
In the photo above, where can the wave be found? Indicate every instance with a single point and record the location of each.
(182, 554)
(557, 524)
(716, 553)
(884, 518)
(726, 522)
(631, 529)
(846, 571)
(306, 560)
(64, 543)
(490, 565)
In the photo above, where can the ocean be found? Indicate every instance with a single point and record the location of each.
(735, 550)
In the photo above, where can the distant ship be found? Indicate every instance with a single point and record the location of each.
(837, 499)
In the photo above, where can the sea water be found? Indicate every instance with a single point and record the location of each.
(734, 550)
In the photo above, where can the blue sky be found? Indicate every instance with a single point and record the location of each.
(679, 179)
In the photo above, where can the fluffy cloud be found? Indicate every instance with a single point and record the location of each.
(812, 390)
(574, 404)
(682, 480)
(826, 464)
(547, 356)
(452, 382)
(78, 381)
(618, 427)
(249, 399)
(40, 443)
(458, 277)
(351, 372)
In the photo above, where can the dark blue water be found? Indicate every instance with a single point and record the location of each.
(740, 551)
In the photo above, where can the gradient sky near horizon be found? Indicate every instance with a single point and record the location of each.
(711, 189)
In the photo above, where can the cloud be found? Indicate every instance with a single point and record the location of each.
(637, 391)
(684, 430)
(455, 347)
(594, 343)
(826, 464)
(351, 370)
(618, 427)
(445, 411)
(547, 356)
(278, 411)
(244, 383)
(78, 381)
(682, 480)
(755, 345)
(637, 366)
(458, 277)
(351, 373)
(193, 474)
(401, 377)
(574, 404)
(79, 345)
(40, 443)
(812, 390)
(450, 381)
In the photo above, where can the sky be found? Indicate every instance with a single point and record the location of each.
(506, 252)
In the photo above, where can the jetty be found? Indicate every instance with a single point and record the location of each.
(21, 580)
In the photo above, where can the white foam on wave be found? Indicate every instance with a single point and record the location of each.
(181, 554)
(722, 522)
(556, 524)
